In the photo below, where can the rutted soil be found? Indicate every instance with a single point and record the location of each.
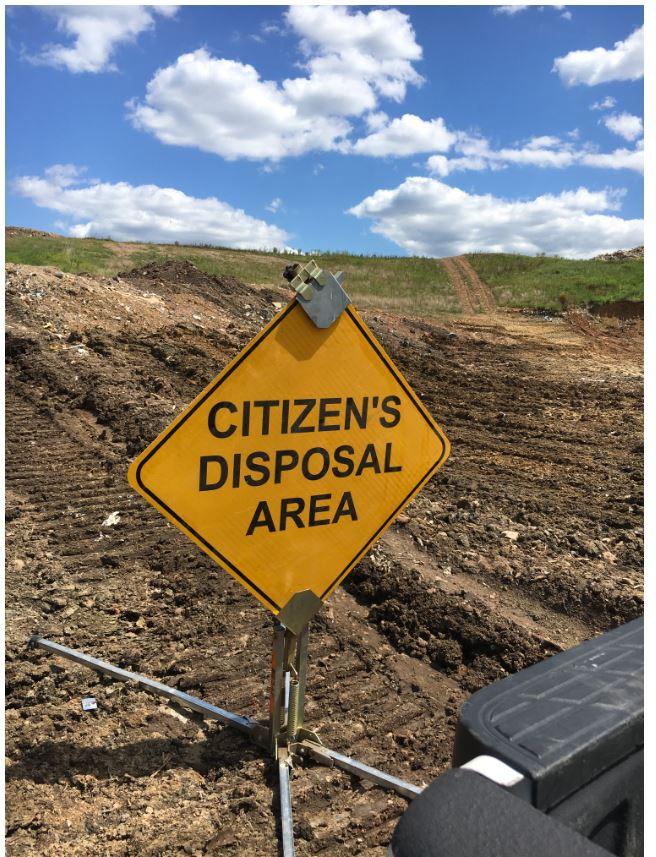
(472, 292)
(483, 294)
(528, 541)
(459, 283)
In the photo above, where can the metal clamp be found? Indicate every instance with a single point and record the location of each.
(319, 292)
(301, 280)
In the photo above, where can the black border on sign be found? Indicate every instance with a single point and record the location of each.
(223, 559)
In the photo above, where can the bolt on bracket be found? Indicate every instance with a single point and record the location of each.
(319, 292)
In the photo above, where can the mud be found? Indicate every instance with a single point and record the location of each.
(528, 541)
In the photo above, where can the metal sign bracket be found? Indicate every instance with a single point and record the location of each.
(319, 292)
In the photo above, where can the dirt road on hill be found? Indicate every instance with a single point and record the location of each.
(528, 541)
(473, 294)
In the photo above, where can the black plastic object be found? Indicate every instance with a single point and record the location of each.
(610, 810)
(462, 814)
(573, 725)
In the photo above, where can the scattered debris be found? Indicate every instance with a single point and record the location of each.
(623, 255)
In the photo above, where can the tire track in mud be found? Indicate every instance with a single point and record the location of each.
(457, 634)
(485, 297)
(474, 296)
(460, 285)
(534, 615)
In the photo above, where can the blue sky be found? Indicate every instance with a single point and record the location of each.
(431, 130)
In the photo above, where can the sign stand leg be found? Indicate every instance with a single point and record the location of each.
(277, 691)
(286, 736)
(283, 714)
(286, 822)
(301, 678)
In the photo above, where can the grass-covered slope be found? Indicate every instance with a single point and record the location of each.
(72, 255)
(548, 281)
(414, 285)
(410, 285)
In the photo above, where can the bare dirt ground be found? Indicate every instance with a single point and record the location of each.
(459, 283)
(473, 294)
(483, 294)
(528, 541)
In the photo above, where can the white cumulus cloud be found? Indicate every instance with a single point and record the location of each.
(543, 141)
(377, 120)
(96, 31)
(606, 103)
(377, 46)
(128, 212)
(518, 7)
(475, 153)
(407, 135)
(426, 217)
(509, 10)
(329, 94)
(618, 159)
(222, 106)
(351, 60)
(625, 61)
(625, 124)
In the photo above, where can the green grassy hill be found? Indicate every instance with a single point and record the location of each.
(540, 281)
(413, 285)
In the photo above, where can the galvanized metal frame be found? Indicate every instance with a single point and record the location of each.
(285, 736)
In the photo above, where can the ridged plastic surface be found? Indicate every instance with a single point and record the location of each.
(565, 720)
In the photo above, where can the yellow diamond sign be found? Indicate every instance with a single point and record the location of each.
(294, 460)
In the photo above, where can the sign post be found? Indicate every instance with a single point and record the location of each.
(284, 470)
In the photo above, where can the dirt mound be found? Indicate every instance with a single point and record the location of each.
(622, 255)
(181, 277)
(181, 271)
(615, 328)
(455, 633)
(619, 309)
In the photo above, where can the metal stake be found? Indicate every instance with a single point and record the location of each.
(301, 671)
(331, 757)
(287, 825)
(211, 712)
(277, 693)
